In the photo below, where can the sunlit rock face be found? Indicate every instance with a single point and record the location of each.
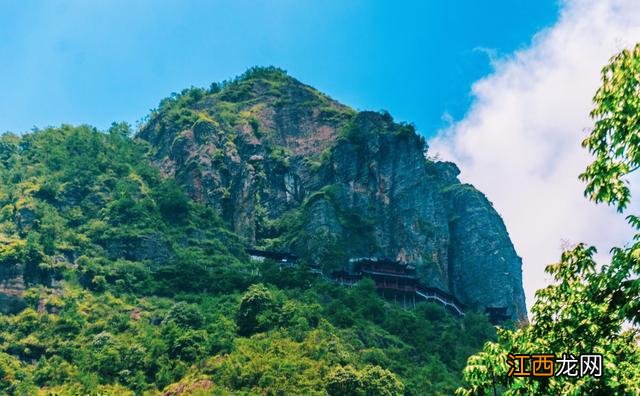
(289, 168)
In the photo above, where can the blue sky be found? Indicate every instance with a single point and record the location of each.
(101, 61)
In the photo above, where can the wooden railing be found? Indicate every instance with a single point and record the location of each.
(440, 297)
(426, 293)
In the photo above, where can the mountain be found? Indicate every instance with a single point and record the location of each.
(124, 266)
(289, 168)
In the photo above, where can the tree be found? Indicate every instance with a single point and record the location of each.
(377, 381)
(184, 315)
(172, 201)
(189, 345)
(343, 381)
(256, 301)
(615, 138)
(370, 381)
(585, 309)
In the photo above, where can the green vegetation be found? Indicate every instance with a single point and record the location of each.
(279, 157)
(237, 102)
(319, 245)
(360, 129)
(74, 198)
(588, 309)
(133, 288)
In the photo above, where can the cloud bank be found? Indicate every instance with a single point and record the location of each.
(520, 141)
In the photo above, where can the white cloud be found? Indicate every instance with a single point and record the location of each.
(520, 141)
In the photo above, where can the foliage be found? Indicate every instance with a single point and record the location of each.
(615, 138)
(77, 198)
(184, 315)
(279, 156)
(297, 342)
(371, 380)
(257, 301)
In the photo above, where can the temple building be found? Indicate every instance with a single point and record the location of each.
(394, 281)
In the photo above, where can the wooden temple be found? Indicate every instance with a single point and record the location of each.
(394, 281)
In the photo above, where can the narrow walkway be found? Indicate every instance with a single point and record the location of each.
(426, 293)
(399, 279)
(446, 302)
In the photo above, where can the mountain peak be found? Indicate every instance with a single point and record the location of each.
(270, 73)
(262, 106)
(262, 83)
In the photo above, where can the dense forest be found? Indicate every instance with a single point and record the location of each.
(131, 287)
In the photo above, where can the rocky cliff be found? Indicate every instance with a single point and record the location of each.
(288, 167)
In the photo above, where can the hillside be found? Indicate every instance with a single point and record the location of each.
(122, 254)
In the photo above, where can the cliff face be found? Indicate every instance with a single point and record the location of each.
(483, 265)
(244, 149)
(289, 168)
